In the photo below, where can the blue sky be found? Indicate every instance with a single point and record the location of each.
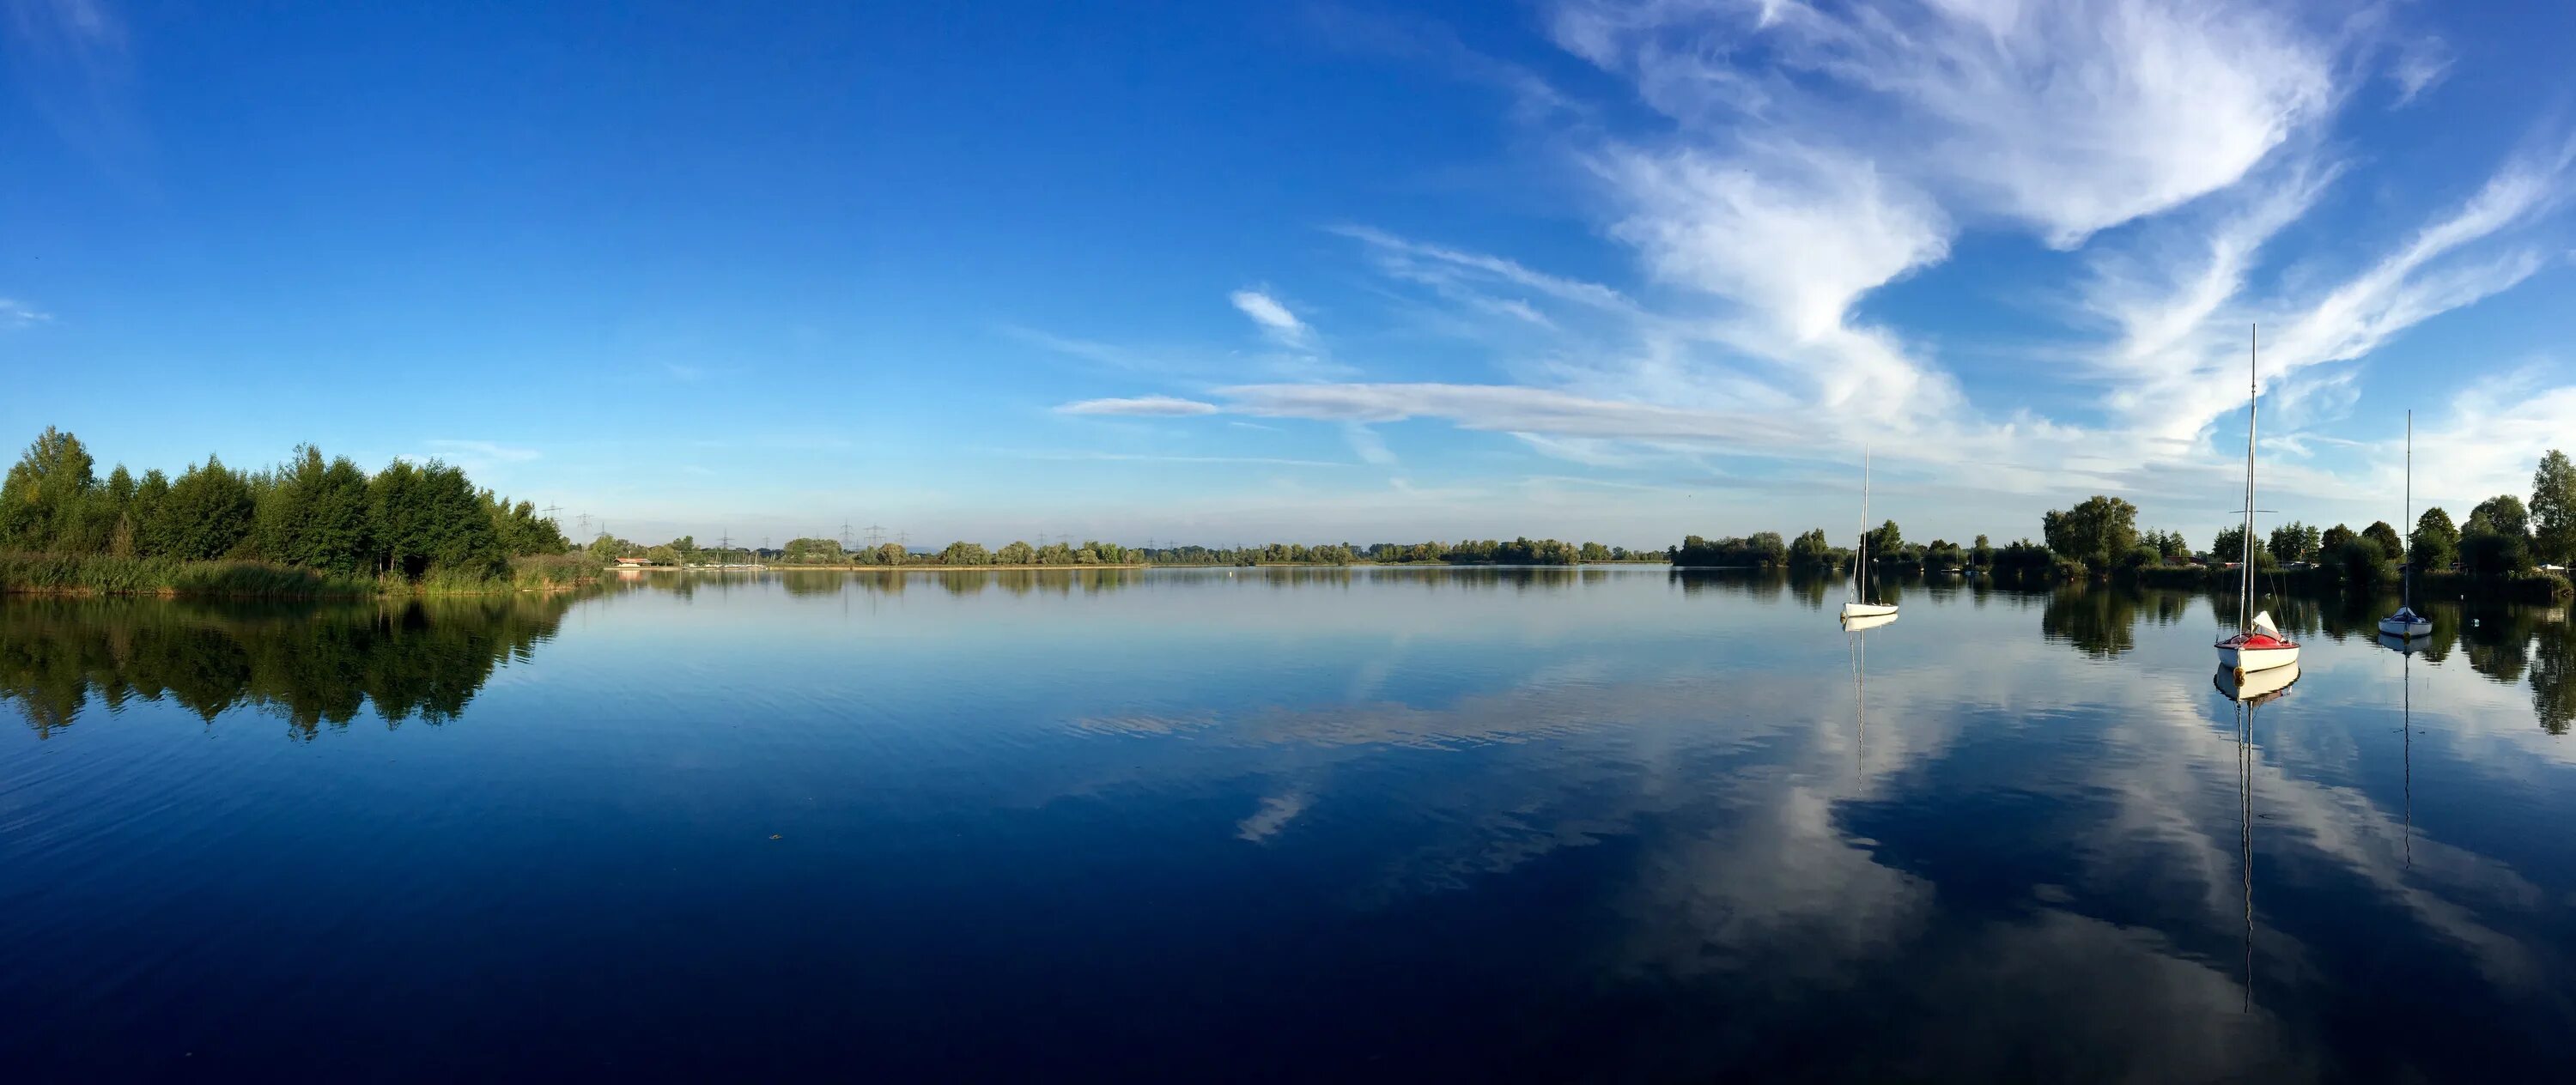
(1241, 272)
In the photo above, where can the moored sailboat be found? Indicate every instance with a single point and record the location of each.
(1861, 602)
(2406, 624)
(2258, 644)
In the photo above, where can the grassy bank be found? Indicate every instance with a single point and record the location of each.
(100, 574)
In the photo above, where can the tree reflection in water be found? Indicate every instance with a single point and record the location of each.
(307, 664)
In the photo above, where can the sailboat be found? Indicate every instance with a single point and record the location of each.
(2406, 624)
(2258, 644)
(1860, 603)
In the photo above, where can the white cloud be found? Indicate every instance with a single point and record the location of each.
(1140, 407)
(2421, 63)
(19, 314)
(1273, 317)
(2069, 118)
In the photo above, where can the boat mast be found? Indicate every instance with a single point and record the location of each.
(2405, 567)
(1866, 595)
(2245, 594)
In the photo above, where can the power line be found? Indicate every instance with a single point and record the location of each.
(876, 536)
(845, 534)
(584, 521)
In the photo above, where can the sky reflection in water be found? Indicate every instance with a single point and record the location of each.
(1615, 823)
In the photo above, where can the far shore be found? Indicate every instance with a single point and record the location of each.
(935, 568)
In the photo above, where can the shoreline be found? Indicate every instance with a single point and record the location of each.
(1130, 565)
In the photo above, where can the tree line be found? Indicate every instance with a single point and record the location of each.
(815, 551)
(409, 520)
(2503, 540)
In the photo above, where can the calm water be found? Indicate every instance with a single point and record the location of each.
(1608, 824)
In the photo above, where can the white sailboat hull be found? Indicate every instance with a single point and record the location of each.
(2395, 627)
(2236, 658)
(1867, 610)
(1857, 622)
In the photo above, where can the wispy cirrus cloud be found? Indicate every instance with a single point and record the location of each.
(1806, 157)
(1140, 407)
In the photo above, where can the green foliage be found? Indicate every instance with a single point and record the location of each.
(2094, 532)
(2435, 543)
(2502, 514)
(2334, 538)
(1885, 542)
(1762, 551)
(207, 514)
(2359, 563)
(101, 574)
(520, 531)
(44, 498)
(965, 553)
(2494, 554)
(316, 514)
(2293, 541)
(1810, 551)
(1016, 553)
(2553, 508)
(2024, 559)
(2389, 544)
(891, 554)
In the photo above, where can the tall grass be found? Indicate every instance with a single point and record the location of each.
(99, 574)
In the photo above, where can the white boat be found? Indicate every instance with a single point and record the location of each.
(2257, 644)
(1858, 622)
(2406, 624)
(1860, 603)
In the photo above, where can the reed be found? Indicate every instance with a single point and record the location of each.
(101, 574)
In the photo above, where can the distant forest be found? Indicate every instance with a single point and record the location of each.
(1522, 551)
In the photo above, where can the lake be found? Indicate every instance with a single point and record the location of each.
(1598, 824)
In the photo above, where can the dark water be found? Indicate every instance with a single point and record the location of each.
(1421, 824)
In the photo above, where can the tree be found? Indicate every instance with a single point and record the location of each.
(1810, 551)
(965, 553)
(2389, 544)
(2335, 537)
(2435, 542)
(2229, 546)
(2293, 541)
(891, 554)
(41, 499)
(207, 513)
(1593, 551)
(429, 516)
(2502, 514)
(812, 551)
(2094, 532)
(2553, 508)
(1016, 553)
(1886, 543)
(2494, 553)
(315, 514)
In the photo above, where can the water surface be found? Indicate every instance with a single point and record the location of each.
(1604, 824)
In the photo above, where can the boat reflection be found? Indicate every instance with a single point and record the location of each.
(2255, 687)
